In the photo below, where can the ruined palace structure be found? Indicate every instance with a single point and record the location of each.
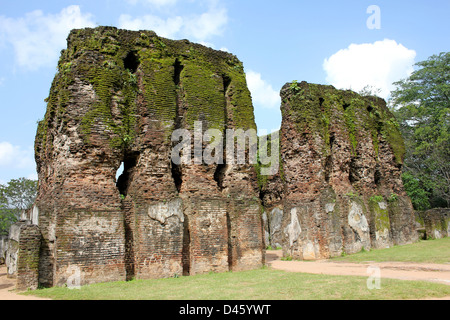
(339, 188)
(116, 99)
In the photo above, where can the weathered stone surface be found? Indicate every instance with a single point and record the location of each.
(12, 250)
(3, 248)
(339, 185)
(271, 194)
(274, 227)
(434, 223)
(22, 254)
(117, 98)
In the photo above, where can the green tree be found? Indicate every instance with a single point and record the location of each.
(15, 196)
(422, 107)
(419, 196)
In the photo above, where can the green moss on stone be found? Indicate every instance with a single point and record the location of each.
(313, 106)
(107, 82)
(263, 179)
(96, 56)
(203, 90)
(381, 216)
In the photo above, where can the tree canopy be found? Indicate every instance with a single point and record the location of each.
(15, 196)
(422, 107)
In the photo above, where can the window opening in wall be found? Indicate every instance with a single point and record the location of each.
(131, 62)
(125, 178)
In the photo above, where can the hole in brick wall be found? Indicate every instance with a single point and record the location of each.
(328, 167)
(186, 253)
(346, 105)
(226, 82)
(332, 140)
(119, 171)
(131, 62)
(219, 175)
(178, 68)
(230, 243)
(321, 101)
(177, 176)
(377, 177)
(129, 243)
(329, 159)
(124, 179)
(370, 108)
(353, 172)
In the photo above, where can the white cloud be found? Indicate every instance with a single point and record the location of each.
(208, 24)
(16, 157)
(200, 27)
(37, 38)
(165, 28)
(262, 92)
(376, 64)
(156, 3)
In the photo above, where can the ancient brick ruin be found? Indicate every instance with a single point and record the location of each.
(117, 98)
(433, 223)
(339, 188)
(22, 254)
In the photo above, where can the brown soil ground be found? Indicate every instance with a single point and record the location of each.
(7, 286)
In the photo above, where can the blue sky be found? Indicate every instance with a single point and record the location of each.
(327, 42)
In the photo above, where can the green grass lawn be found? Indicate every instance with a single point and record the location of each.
(429, 251)
(268, 284)
(262, 284)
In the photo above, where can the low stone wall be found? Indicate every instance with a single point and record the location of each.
(22, 254)
(3, 246)
(433, 223)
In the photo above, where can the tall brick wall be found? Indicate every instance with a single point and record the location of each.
(117, 98)
(339, 189)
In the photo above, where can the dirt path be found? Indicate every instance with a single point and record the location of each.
(7, 288)
(396, 270)
(439, 273)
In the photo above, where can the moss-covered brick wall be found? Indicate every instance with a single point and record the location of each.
(116, 99)
(312, 106)
(340, 189)
(98, 57)
(434, 223)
